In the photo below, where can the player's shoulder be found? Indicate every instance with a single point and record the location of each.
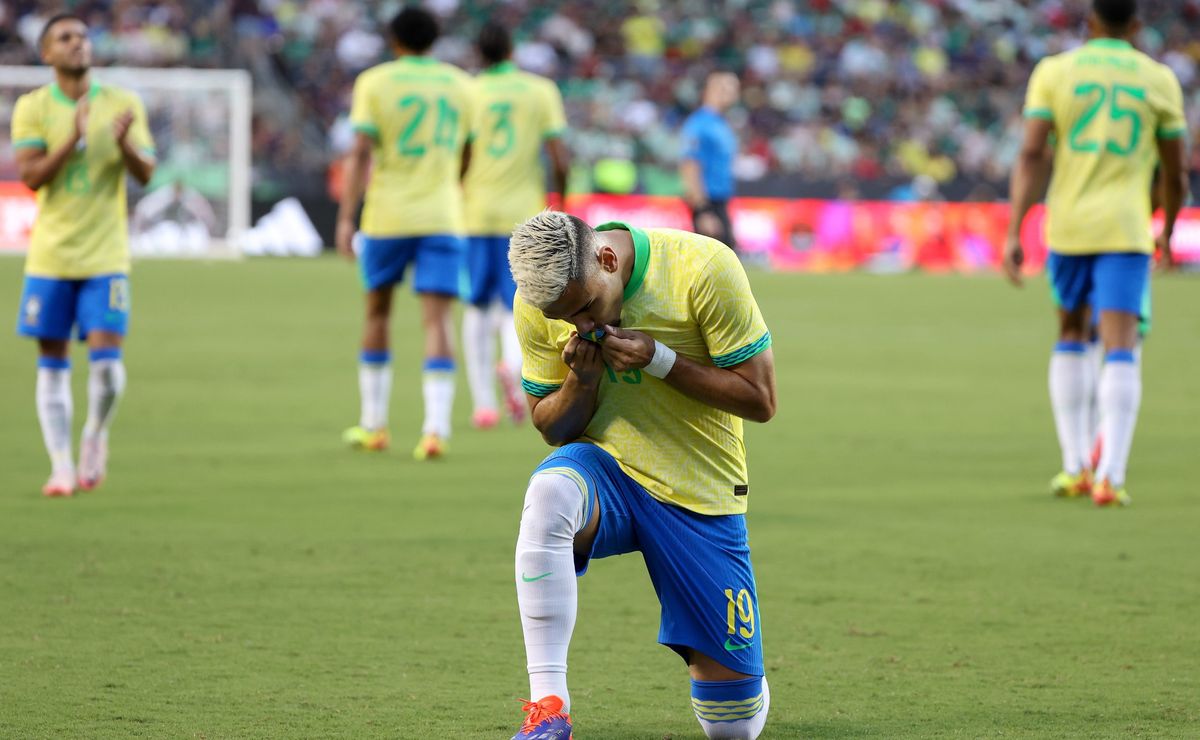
(34, 97)
(372, 75)
(691, 252)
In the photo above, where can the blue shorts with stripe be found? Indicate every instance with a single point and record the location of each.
(439, 262)
(489, 274)
(1117, 281)
(699, 565)
(52, 307)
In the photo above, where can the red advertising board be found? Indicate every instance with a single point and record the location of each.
(799, 235)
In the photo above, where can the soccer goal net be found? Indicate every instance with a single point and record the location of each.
(198, 203)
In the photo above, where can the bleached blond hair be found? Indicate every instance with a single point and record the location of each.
(547, 252)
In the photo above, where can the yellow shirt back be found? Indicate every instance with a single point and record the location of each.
(418, 112)
(1108, 103)
(690, 293)
(81, 228)
(517, 111)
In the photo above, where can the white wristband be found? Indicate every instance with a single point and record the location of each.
(662, 362)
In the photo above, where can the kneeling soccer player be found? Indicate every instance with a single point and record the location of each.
(649, 419)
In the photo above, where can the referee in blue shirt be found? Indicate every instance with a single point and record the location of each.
(709, 147)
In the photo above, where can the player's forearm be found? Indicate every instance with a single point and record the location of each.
(1174, 195)
(139, 165)
(723, 389)
(40, 170)
(1029, 178)
(563, 415)
(693, 184)
(355, 184)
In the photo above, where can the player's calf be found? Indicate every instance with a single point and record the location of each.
(732, 710)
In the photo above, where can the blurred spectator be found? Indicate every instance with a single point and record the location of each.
(880, 91)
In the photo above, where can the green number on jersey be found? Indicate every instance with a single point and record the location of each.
(445, 132)
(1116, 112)
(503, 135)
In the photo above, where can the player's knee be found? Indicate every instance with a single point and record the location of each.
(732, 710)
(554, 506)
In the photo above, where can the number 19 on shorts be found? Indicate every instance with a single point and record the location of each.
(739, 613)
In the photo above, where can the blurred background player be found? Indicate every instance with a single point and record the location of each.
(1114, 112)
(411, 117)
(648, 425)
(74, 142)
(709, 148)
(518, 114)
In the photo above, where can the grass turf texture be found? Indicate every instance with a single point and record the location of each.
(242, 575)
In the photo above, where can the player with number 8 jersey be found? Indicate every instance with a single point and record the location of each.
(411, 119)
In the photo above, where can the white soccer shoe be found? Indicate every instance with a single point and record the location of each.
(93, 462)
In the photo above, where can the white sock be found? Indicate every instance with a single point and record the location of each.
(732, 710)
(555, 509)
(54, 407)
(438, 387)
(1092, 367)
(479, 352)
(374, 388)
(510, 344)
(106, 383)
(1120, 396)
(1068, 399)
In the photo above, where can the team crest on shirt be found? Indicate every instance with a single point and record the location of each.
(33, 310)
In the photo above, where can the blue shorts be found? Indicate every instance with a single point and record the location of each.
(487, 264)
(1117, 281)
(439, 260)
(699, 564)
(51, 307)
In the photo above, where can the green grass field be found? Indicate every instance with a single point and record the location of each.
(241, 575)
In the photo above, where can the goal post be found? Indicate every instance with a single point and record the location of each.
(198, 203)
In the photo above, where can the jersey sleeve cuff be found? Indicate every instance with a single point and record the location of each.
(1043, 113)
(738, 356)
(554, 133)
(541, 390)
(1164, 133)
(366, 128)
(29, 144)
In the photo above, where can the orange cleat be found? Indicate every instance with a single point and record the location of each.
(544, 720)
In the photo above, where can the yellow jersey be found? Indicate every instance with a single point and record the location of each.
(81, 229)
(690, 293)
(1109, 103)
(517, 112)
(417, 111)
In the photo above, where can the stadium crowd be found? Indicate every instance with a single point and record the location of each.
(834, 90)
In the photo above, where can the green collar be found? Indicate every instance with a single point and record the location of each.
(501, 68)
(641, 255)
(57, 93)
(1110, 43)
(416, 59)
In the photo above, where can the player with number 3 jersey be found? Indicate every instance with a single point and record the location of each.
(411, 119)
(520, 114)
(74, 141)
(1112, 114)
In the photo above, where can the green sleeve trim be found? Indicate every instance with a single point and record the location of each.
(557, 133)
(366, 128)
(738, 356)
(541, 390)
(29, 144)
(1043, 113)
(1163, 133)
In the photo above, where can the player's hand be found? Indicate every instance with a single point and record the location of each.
(1014, 257)
(707, 224)
(344, 239)
(584, 359)
(1166, 258)
(624, 349)
(121, 126)
(81, 118)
